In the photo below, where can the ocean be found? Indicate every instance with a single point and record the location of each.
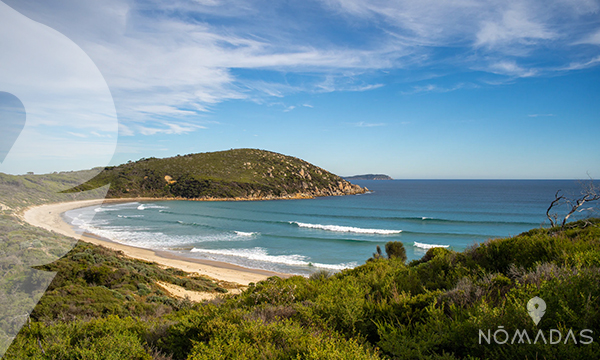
(332, 233)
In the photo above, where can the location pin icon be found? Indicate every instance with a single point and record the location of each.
(536, 308)
(12, 121)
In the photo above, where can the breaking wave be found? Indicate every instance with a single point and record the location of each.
(428, 246)
(151, 206)
(261, 254)
(243, 233)
(338, 228)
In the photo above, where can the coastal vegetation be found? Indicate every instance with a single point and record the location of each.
(245, 174)
(431, 308)
(103, 305)
(90, 282)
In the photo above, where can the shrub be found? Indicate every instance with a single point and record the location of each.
(395, 249)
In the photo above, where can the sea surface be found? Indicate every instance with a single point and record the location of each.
(332, 233)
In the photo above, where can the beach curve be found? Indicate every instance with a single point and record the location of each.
(49, 217)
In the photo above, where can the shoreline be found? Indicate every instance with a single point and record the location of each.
(50, 217)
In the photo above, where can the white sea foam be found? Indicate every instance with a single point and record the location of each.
(104, 209)
(151, 206)
(243, 233)
(116, 207)
(150, 238)
(130, 216)
(260, 254)
(138, 237)
(428, 246)
(365, 193)
(338, 228)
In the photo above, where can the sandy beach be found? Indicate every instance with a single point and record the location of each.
(49, 217)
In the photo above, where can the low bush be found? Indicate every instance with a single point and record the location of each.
(433, 308)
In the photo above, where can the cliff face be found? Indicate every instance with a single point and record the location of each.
(241, 174)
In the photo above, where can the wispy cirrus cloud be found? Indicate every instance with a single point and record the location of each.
(511, 68)
(368, 124)
(540, 115)
(581, 65)
(177, 60)
(513, 25)
(437, 88)
(592, 38)
(477, 23)
(168, 128)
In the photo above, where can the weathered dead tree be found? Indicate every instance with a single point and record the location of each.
(590, 193)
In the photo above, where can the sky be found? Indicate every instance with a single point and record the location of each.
(416, 89)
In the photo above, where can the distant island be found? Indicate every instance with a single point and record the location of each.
(369, 177)
(237, 174)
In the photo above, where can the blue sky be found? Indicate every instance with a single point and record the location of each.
(413, 89)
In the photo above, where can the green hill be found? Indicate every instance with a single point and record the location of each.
(21, 191)
(247, 174)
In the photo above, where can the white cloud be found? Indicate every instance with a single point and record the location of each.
(436, 88)
(338, 83)
(593, 38)
(515, 25)
(125, 130)
(510, 68)
(582, 65)
(169, 129)
(95, 133)
(540, 115)
(64, 95)
(164, 110)
(486, 22)
(173, 66)
(77, 134)
(167, 63)
(367, 124)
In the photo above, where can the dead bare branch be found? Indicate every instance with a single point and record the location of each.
(589, 193)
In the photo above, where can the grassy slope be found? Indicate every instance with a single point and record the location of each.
(19, 191)
(428, 309)
(91, 281)
(247, 173)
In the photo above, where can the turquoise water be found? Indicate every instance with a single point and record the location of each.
(302, 236)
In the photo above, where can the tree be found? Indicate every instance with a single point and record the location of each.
(395, 249)
(378, 254)
(589, 193)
